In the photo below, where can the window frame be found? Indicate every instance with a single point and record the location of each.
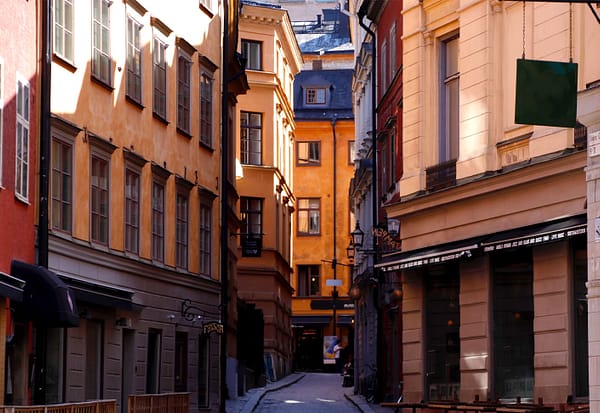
(351, 151)
(158, 233)
(63, 45)
(159, 86)
(248, 156)
(132, 211)
(100, 56)
(307, 210)
(184, 93)
(59, 199)
(134, 59)
(449, 106)
(252, 52)
(101, 157)
(206, 107)
(305, 285)
(308, 161)
(182, 228)
(251, 207)
(22, 138)
(204, 368)
(205, 233)
(312, 95)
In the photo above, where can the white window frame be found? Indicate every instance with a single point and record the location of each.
(384, 66)
(205, 244)
(22, 138)
(252, 50)
(206, 99)
(132, 229)
(449, 105)
(63, 41)
(392, 51)
(134, 60)
(67, 229)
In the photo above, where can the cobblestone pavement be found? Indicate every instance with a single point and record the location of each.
(303, 392)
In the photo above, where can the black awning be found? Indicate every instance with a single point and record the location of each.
(100, 295)
(299, 321)
(11, 287)
(46, 299)
(345, 320)
(438, 254)
(532, 235)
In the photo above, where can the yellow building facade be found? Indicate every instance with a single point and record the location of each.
(267, 201)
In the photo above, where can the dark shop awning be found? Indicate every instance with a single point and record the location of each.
(345, 320)
(438, 254)
(101, 295)
(11, 287)
(46, 299)
(310, 320)
(537, 234)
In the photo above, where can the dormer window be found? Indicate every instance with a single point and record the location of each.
(315, 95)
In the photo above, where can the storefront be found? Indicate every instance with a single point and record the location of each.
(498, 316)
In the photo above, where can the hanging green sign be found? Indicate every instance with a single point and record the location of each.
(546, 93)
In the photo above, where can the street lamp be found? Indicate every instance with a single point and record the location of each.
(350, 252)
(357, 236)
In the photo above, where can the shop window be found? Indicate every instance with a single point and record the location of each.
(181, 361)
(513, 324)
(153, 362)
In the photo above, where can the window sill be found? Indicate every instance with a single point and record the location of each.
(184, 133)
(160, 118)
(206, 10)
(206, 146)
(64, 63)
(102, 83)
(134, 102)
(22, 199)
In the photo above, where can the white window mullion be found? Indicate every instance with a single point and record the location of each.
(22, 140)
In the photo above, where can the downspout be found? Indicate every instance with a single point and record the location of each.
(334, 262)
(46, 62)
(224, 233)
(361, 15)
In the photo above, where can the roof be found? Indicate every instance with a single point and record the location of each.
(330, 32)
(338, 101)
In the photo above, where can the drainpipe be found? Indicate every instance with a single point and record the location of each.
(224, 233)
(44, 148)
(361, 15)
(334, 263)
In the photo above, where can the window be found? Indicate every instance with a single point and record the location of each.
(132, 211)
(181, 361)
(63, 29)
(251, 213)
(251, 136)
(309, 153)
(449, 101)
(207, 4)
(93, 359)
(158, 221)
(22, 141)
(134, 61)
(184, 79)
(153, 362)
(351, 152)
(315, 96)
(159, 79)
(203, 370)
(62, 185)
(205, 238)
(101, 61)
(384, 67)
(309, 216)
(206, 108)
(392, 51)
(181, 224)
(252, 52)
(99, 199)
(309, 281)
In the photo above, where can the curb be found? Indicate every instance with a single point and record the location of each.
(253, 402)
(360, 403)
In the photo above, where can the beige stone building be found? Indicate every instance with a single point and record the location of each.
(493, 213)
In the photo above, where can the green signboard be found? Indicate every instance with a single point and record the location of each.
(546, 93)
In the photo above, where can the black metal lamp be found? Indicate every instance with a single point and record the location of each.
(357, 236)
(350, 251)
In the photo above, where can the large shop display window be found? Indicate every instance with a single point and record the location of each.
(443, 323)
(513, 324)
(580, 318)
